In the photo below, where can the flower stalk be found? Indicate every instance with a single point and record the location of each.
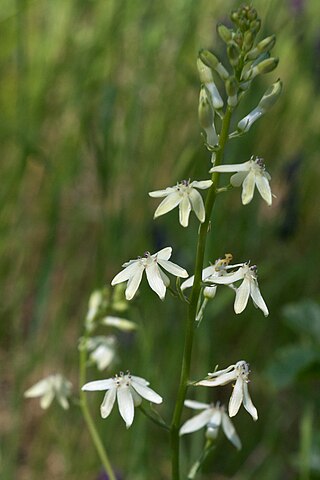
(88, 418)
(192, 308)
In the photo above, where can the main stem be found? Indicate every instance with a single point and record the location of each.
(88, 418)
(192, 308)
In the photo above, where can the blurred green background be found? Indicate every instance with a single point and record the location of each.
(98, 107)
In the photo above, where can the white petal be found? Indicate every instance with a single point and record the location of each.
(46, 399)
(202, 184)
(184, 211)
(163, 254)
(264, 188)
(197, 205)
(173, 268)
(196, 422)
(99, 385)
(230, 431)
(39, 389)
(120, 323)
(137, 400)
(257, 298)
(134, 282)
(215, 419)
(63, 401)
(242, 296)
(155, 281)
(236, 397)
(248, 188)
(247, 402)
(140, 380)
(196, 405)
(169, 203)
(206, 272)
(238, 178)
(108, 402)
(217, 373)
(229, 278)
(162, 193)
(125, 404)
(237, 167)
(221, 380)
(128, 272)
(146, 392)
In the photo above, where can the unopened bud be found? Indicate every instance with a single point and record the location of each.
(234, 53)
(206, 78)
(261, 68)
(211, 61)
(206, 118)
(212, 433)
(224, 33)
(255, 26)
(262, 47)
(247, 40)
(120, 323)
(209, 292)
(232, 90)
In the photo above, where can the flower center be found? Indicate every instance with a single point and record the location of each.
(123, 379)
(243, 370)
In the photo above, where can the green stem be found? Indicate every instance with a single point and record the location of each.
(192, 308)
(88, 418)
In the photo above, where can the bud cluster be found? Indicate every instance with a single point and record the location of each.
(248, 58)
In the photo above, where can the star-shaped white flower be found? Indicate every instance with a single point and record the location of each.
(240, 374)
(102, 350)
(212, 416)
(128, 390)
(151, 264)
(249, 174)
(53, 386)
(186, 196)
(209, 274)
(248, 287)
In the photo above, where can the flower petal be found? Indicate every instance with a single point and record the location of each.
(184, 211)
(155, 281)
(221, 380)
(162, 193)
(236, 397)
(202, 184)
(238, 178)
(125, 404)
(230, 431)
(196, 405)
(46, 399)
(206, 272)
(127, 273)
(146, 392)
(39, 389)
(197, 205)
(173, 268)
(140, 380)
(169, 203)
(258, 299)
(264, 188)
(237, 167)
(196, 422)
(108, 402)
(99, 385)
(229, 278)
(248, 188)
(242, 296)
(215, 419)
(165, 278)
(163, 254)
(134, 282)
(247, 402)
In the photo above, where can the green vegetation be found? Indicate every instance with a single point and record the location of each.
(99, 106)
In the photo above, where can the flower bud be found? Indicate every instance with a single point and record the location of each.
(255, 26)
(212, 433)
(120, 323)
(234, 53)
(232, 90)
(224, 33)
(248, 39)
(262, 47)
(206, 78)
(263, 67)
(209, 292)
(211, 61)
(267, 101)
(206, 118)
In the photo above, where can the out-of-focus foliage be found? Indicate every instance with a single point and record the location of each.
(98, 107)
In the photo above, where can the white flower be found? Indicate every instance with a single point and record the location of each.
(157, 279)
(209, 274)
(249, 287)
(129, 391)
(102, 350)
(49, 388)
(119, 322)
(250, 174)
(186, 196)
(212, 416)
(238, 373)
